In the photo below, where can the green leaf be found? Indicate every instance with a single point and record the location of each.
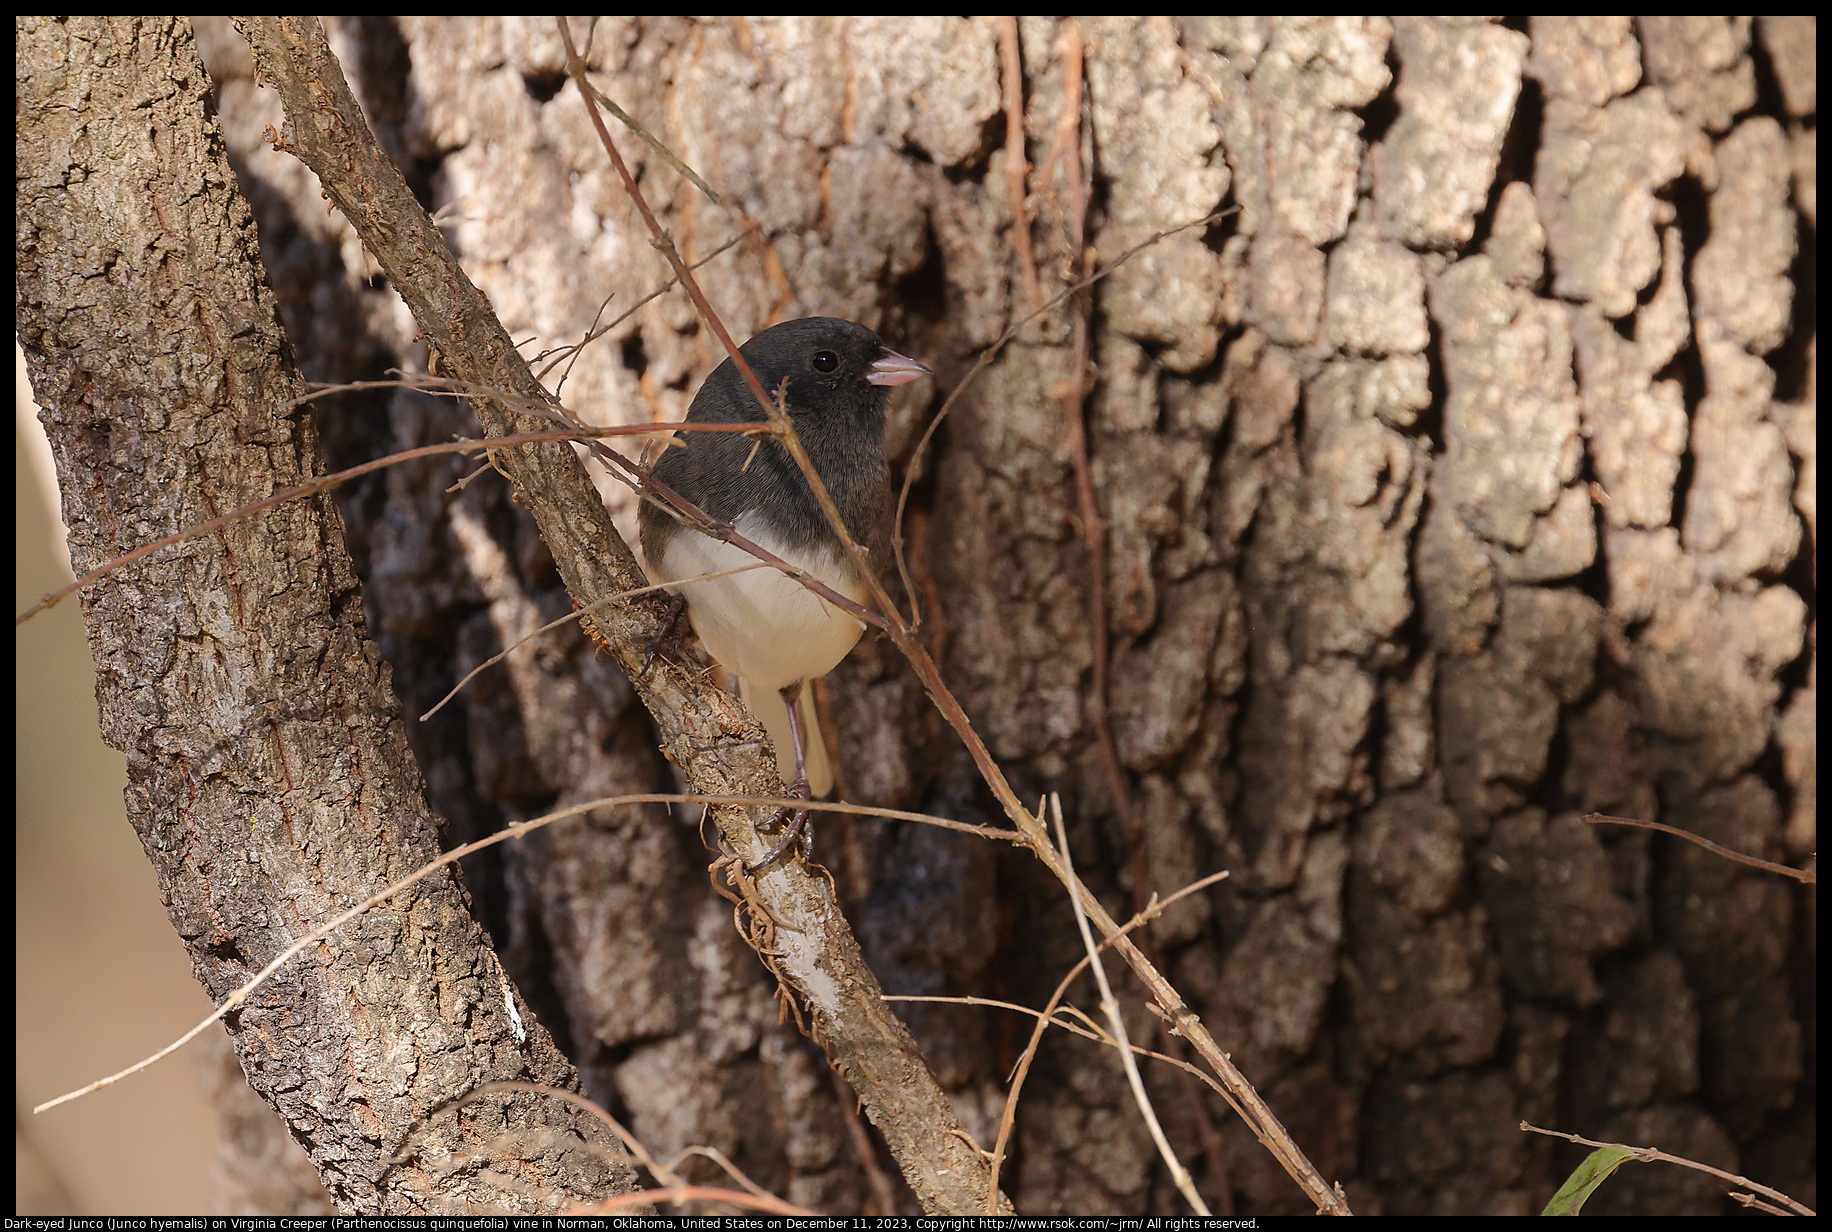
(1585, 1179)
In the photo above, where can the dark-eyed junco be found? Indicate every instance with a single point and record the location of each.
(764, 626)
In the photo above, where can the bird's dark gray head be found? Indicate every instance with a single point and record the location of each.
(829, 366)
(836, 376)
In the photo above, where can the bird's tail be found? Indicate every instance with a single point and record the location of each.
(768, 706)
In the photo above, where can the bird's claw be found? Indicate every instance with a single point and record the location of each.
(670, 630)
(798, 827)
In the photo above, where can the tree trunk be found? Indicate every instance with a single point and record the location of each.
(268, 774)
(1457, 484)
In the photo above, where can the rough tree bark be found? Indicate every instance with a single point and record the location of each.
(1459, 484)
(269, 777)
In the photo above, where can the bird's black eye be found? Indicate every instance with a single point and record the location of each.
(824, 362)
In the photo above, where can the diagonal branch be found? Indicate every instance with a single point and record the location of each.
(1183, 1021)
(716, 744)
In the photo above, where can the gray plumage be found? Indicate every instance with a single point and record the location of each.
(763, 626)
(838, 416)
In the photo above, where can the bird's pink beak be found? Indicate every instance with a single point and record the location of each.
(891, 368)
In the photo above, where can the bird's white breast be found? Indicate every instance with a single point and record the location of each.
(762, 625)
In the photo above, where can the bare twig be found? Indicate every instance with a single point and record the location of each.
(324, 930)
(1072, 1020)
(1065, 147)
(1016, 167)
(1648, 1154)
(1090, 1030)
(666, 1173)
(326, 482)
(992, 352)
(1008, 1119)
(570, 353)
(720, 1160)
(1806, 875)
(664, 243)
(883, 1193)
(1111, 1007)
(551, 625)
(515, 830)
(696, 1193)
(668, 156)
(1070, 406)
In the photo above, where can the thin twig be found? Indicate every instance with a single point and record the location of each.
(318, 934)
(1008, 1118)
(1065, 146)
(1153, 910)
(668, 156)
(326, 482)
(883, 1193)
(1016, 167)
(1805, 875)
(1072, 1020)
(515, 830)
(1649, 1154)
(1068, 1018)
(696, 1193)
(1071, 400)
(1111, 1007)
(571, 352)
(722, 1161)
(664, 243)
(990, 353)
(571, 616)
(659, 1171)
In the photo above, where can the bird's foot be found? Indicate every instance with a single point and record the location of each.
(670, 630)
(798, 826)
